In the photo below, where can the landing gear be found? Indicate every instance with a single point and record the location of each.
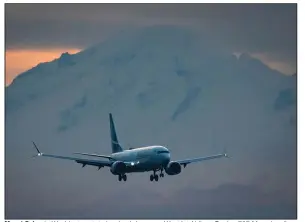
(161, 174)
(124, 177)
(155, 176)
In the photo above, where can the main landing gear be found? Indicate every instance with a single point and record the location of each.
(123, 177)
(155, 176)
(161, 174)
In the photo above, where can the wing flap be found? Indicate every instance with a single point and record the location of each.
(95, 155)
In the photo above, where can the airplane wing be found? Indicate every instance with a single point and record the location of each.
(95, 155)
(199, 159)
(84, 162)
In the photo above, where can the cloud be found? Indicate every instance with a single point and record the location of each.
(239, 25)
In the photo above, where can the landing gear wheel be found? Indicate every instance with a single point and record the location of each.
(151, 177)
(156, 178)
(161, 175)
(124, 177)
(120, 177)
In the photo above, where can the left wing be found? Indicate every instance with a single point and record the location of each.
(95, 155)
(84, 162)
(194, 160)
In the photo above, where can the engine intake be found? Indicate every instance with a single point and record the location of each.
(118, 167)
(173, 168)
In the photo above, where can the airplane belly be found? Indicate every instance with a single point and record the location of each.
(145, 164)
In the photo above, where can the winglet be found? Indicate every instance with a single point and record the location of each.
(225, 154)
(38, 151)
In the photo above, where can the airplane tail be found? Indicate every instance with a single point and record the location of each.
(114, 139)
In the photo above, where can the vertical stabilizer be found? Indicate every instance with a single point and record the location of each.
(114, 139)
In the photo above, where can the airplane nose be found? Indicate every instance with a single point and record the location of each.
(166, 158)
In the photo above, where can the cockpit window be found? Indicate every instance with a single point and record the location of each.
(163, 151)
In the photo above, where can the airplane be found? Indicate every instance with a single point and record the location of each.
(143, 159)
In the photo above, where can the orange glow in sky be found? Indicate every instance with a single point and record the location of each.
(20, 60)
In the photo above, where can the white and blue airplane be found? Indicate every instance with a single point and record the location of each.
(144, 159)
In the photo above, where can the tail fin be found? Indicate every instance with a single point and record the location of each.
(114, 140)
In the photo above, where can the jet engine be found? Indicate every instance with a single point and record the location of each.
(173, 168)
(118, 167)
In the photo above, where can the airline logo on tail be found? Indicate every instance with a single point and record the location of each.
(116, 147)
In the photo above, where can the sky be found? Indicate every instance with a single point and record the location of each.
(38, 33)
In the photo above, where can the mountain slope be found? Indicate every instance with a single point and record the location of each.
(164, 85)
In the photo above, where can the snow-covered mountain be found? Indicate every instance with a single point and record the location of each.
(164, 85)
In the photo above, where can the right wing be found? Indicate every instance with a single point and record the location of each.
(199, 159)
(84, 162)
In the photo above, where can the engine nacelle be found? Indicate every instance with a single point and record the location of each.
(118, 167)
(173, 168)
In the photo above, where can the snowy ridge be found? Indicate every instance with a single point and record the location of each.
(164, 85)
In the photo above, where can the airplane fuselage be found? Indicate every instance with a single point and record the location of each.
(144, 158)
